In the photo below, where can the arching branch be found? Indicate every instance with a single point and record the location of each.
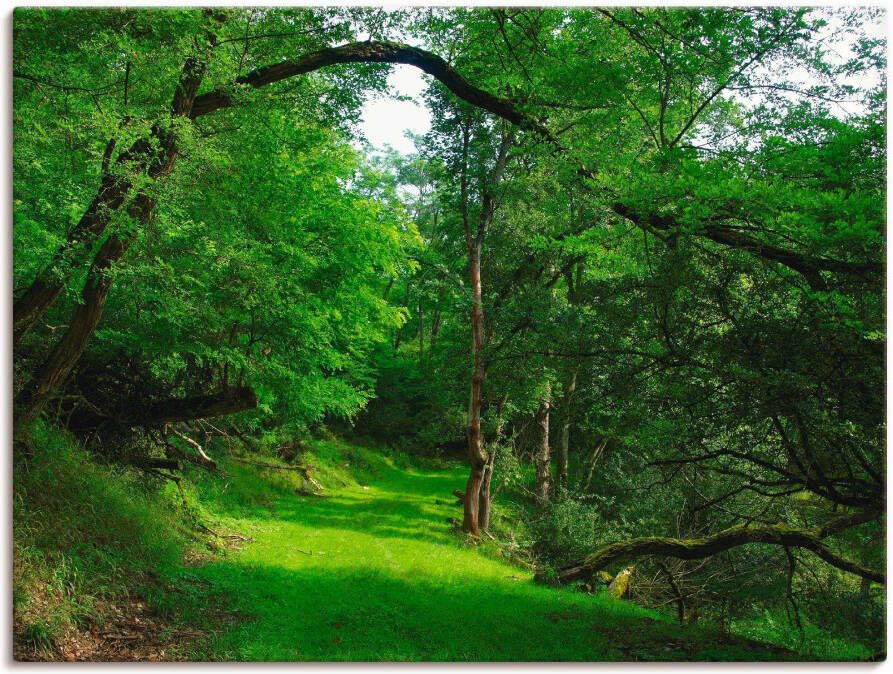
(373, 52)
(46, 288)
(434, 65)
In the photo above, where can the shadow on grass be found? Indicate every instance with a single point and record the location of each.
(323, 615)
(376, 575)
(416, 506)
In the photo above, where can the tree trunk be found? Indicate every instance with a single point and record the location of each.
(484, 510)
(46, 287)
(155, 156)
(474, 243)
(58, 365)
(421, 330)
(564, 440)
(432, 340)
(485, 498)
(399, 336)
(476, 457)
(596, 455)
(543, 457)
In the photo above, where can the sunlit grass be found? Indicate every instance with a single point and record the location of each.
(378, 573)
(374, 570)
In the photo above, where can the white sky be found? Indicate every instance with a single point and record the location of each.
(385, 120)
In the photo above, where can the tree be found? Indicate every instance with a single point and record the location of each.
(42, 293)
(689, 259)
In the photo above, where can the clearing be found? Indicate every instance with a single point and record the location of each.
(377, 573)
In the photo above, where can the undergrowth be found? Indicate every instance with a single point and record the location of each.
(88, 533)
(83, 532)
(259, 568)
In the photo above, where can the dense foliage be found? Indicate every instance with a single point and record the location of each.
(649, 242)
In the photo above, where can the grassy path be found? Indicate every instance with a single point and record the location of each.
(376, 574)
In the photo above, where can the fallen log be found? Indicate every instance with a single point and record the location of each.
(217, 404)
(699, 548)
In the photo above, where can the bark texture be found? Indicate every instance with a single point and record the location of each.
(570, 387)
(476, 456)
(543, 458)
(699, 548)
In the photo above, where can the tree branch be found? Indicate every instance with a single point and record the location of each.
(372, 52)
(391, 52)
(137, 412)
(809, 267)
(699, 548)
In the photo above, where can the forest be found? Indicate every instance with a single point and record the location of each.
(595, 373)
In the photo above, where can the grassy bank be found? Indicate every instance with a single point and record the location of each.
(88, 541)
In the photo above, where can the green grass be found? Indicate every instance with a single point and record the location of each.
(83, 533)
(377, 573)
(813, 644)
(374, 571)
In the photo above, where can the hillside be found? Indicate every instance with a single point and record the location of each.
(371, 569)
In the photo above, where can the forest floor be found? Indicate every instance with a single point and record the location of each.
(373, 569)
(378, 573)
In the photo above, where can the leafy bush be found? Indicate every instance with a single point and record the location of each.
(570, 530)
